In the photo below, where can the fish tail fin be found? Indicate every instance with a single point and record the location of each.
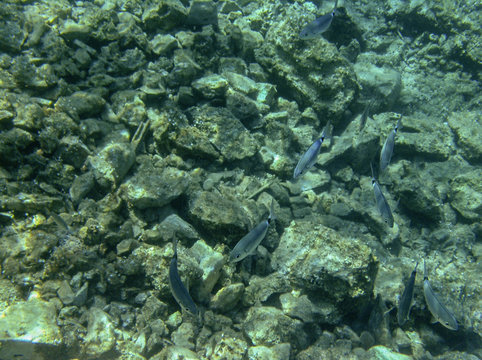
(373, 171)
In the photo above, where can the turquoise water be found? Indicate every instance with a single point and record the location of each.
(126, 125)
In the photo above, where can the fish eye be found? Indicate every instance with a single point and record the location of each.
(237, 256)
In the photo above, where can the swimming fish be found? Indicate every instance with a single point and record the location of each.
(318, 26)
(438, 310)
(382, 203)
(387, 149)
(309, 157)
(251, 240)
(178, 289)
(406, 299)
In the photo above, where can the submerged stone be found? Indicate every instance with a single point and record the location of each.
(466, 195)
(269, 326)
(227, 297)
(315, 257)
(33, 320)
(154, 187)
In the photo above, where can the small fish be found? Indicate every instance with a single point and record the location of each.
(309, 157)
(364, 115)
(178, 289)
(382, 203)
(438, 310)
(251, 240)
(406, 299)
(318, 26)
(387, 149)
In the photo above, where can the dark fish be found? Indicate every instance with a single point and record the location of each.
(364, 116)
(382, 203)
(406, 299)
(251, 240)
(438, 310)
(315, 28)
(387, 149)
(309, 157)
(178, 289)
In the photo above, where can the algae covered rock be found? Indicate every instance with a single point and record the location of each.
(227, 297)
(318, 258)
(313, 72)
(466, 194)
(468, 131)
(218, 214)
(100, 337)
(164, 14)
(33, 320)
(154, 187)
(276, 352)
(269, 326)
(210, 262)
(80, 104)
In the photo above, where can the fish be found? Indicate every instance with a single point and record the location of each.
(178, 290)
(406, 299)
(318, 26)
(364, 115)
(387, 149)
(309, 157)
(382, 203)
(251, 240)
(437, 309)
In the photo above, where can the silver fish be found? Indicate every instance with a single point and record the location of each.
(318, 26)
(309, 157)
(406, 299)
(382, 203)
(251, 240)
(438, 310)
(387, 149)
(178, 289)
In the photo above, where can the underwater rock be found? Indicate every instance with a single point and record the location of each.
(211, 87)
(241, 83)
(33, 320)
(267, 325)
(242, 107)
(218, 214)
(261, 288)
(314, 72)
(175, 353)
(73, 151)
(211, 262)
(171, 227)
(226, 133)
(466, 194)
(297, 307)
(81, 186)
(29, 116)
(164, 15)
(163, 44)
(227, 297)
(202, 12)
(154, 187)
(276, 352)
(12, 142)
(381, 82)
(81, 104)
(185, 69)
(112, 164)
(468, 130)
(381, 352)
(318, 258)
(100, 337)
(11, 36)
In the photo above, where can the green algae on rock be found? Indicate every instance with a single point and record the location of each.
(316, 257)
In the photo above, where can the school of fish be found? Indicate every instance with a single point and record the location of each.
(248, 244)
